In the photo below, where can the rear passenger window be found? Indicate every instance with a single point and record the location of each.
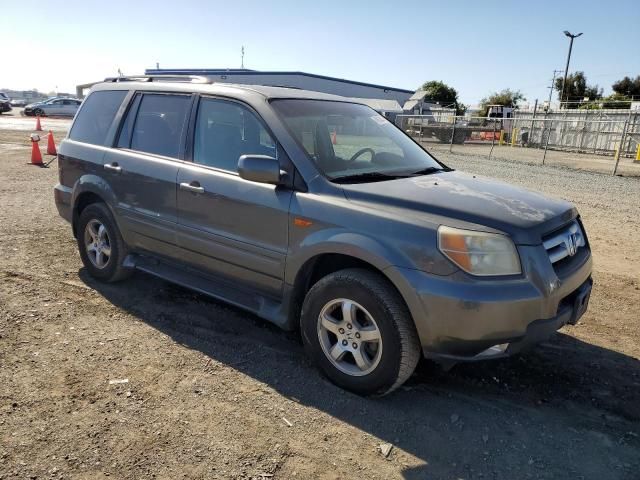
(225, 131)
(159, 123)
(96, 115)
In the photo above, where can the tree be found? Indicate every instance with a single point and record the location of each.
(506, 98)
(577, 90)
(627, 87)
(440, 92)
(616, 100)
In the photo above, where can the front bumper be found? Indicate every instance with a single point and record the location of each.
(460, 318)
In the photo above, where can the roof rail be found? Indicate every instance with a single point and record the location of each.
(151, 78)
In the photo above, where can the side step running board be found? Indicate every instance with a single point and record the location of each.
(253, 301)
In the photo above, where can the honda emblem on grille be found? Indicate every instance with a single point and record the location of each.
(572, 244)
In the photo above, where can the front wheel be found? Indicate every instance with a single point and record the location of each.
(101, 246)
(357, 329)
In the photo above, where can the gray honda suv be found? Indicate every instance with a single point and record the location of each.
(318, 214)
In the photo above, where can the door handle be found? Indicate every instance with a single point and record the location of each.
(113, 167)
(193, 187)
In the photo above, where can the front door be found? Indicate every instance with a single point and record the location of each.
(228, 226)
(144, 167)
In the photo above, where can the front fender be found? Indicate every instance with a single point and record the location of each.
(341, 241)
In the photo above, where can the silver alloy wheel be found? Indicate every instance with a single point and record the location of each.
(349, 337)
(97, 243)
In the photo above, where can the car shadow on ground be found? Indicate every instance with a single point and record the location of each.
(495, 419)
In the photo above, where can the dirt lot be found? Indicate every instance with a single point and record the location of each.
(215, 393)
(535, 156)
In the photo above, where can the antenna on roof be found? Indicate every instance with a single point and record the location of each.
(242, 57)
(157, 65)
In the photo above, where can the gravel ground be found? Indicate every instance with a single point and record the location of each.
(212, 392)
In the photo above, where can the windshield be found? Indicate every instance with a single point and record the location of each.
(347, 140)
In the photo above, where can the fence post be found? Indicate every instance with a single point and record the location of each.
(628, 147)
(620, 146)
(493, 137)
(453, 132)
(595, 143)
(546, 145)
(584, 126)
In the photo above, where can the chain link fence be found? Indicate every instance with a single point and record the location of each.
(590, 142)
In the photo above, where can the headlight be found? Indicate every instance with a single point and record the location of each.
(479, 253)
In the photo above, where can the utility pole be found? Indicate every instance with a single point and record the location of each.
(566, 70)
(553, 81)
(242, 54)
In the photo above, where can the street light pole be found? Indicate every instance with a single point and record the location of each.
(566, 69)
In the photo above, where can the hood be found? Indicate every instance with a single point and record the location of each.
(523, 214)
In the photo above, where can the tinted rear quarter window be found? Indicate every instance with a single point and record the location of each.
(96, 115)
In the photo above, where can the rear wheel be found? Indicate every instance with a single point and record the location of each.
(359, 332)
(101, 246)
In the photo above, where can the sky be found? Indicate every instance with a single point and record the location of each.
(477, 47)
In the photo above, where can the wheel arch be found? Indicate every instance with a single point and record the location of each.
(89, 189)
(324, 263)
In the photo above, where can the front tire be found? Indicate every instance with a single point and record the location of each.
(357, 329)
(100, 244)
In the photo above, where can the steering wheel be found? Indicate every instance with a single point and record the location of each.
(360, 152)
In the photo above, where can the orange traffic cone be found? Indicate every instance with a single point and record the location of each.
(38, 126)
(334, 139)
(36, 156)
(51, 145)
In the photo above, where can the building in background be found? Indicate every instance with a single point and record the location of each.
(301, 80)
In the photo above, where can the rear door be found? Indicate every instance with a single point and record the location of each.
(55, 107)
(227, 226)
(68, 108)
(143, 167)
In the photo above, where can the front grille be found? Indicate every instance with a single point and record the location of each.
(565, 242)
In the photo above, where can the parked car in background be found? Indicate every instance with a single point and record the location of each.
(5, 103)
(376, 251)
(54, 106)
(19, 102)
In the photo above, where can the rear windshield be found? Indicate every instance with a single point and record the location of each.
(346, 139)
(96, 115)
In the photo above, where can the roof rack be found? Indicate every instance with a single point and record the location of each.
(151, 78)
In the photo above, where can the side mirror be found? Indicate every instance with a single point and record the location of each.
(260, 168)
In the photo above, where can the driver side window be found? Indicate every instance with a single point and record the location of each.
(227, 130)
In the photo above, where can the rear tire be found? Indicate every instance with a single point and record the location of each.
(357, 329)
(100, 244)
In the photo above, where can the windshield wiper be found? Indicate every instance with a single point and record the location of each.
(366, 177)
(430, 170)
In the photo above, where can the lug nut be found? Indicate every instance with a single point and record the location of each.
(341, 330)
(357, 335)
(349, 326)
(354, 345)
(344, 342)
